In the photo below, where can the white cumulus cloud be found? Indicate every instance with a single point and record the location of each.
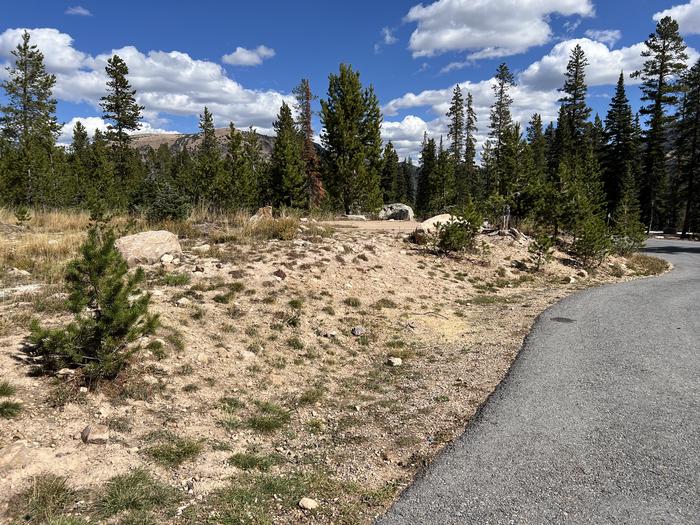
(487, 28)
(607, 36)
(687, 16)
(166, 82)
(248, 57)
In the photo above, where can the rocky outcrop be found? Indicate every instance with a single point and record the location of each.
(396, 212)
(147, 247)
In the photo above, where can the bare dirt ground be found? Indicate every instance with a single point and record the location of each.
(255, 392)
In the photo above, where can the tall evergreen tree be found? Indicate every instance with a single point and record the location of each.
(391, 192)
(575, 89)
(689, 135)
(351, 121)
(123, 115)
(665, 55)
(455, 126)
(29, 122)
(425, 191)
(618, 154)
(79, 164)
(208, 164)
(255, 172)
(304, 98)
(287, 166)
(466, 186)
(501, 122)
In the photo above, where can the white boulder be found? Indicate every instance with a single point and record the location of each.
(147, 247)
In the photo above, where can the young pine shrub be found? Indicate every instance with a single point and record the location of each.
(110, 313)
(592, 243)
(628, 231)
(168, 204)
(22, 215)
(541, 249)
(459, 233)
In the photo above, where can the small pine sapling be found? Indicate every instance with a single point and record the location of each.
(110, 313)
(22, 215)
(541, 249)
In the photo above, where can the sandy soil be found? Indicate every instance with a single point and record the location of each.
(283, 335)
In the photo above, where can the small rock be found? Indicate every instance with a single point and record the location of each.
(167, 258)
(16, 272)
(83, 390)
(280, 273)
(202, 358)
(308, 504)
(204, 248)
(572, 280)
(394, 361)
(64, 373)
(183, 301)
(198, 269)
(95, 434)
(357, 331)
(582, 273)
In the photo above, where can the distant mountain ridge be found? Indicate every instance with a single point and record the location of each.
(178, 141)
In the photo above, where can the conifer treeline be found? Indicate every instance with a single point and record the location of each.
(578, 175)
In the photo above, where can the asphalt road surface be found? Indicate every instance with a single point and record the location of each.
(598, 420)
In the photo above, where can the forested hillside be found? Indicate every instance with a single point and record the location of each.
(598, 177)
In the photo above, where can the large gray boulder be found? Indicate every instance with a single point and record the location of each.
(147, 247)
(397, 212)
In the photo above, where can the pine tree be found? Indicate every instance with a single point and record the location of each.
(79, 164)
(123, 115)
(372, 139)
(689, 135)
(575, 89)
(351, 121)
(29, 122)
(208, 165)
(443, 179)
(304, 97)
(390, 174)
(455, 126)
(501, 122)
(666, 55)
(618, 152)
(425, 192)
(255, 173)
(628, 231)
(287, 168)
(467, 184)
(410, 195)
(110, 313)
(104, 192)
(119, 104)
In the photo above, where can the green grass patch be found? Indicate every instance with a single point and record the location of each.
(9, 409)
(7, 389)
(136, 491)
(353, 302)
(246, 461)
(47, 497)
(174, 279)
(174, 451)
(384, 303)
(268, 417)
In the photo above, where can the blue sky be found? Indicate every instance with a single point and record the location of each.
(243, 58)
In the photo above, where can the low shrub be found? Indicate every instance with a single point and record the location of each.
(110, 313)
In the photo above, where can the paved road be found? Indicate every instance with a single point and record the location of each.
(598, 420)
